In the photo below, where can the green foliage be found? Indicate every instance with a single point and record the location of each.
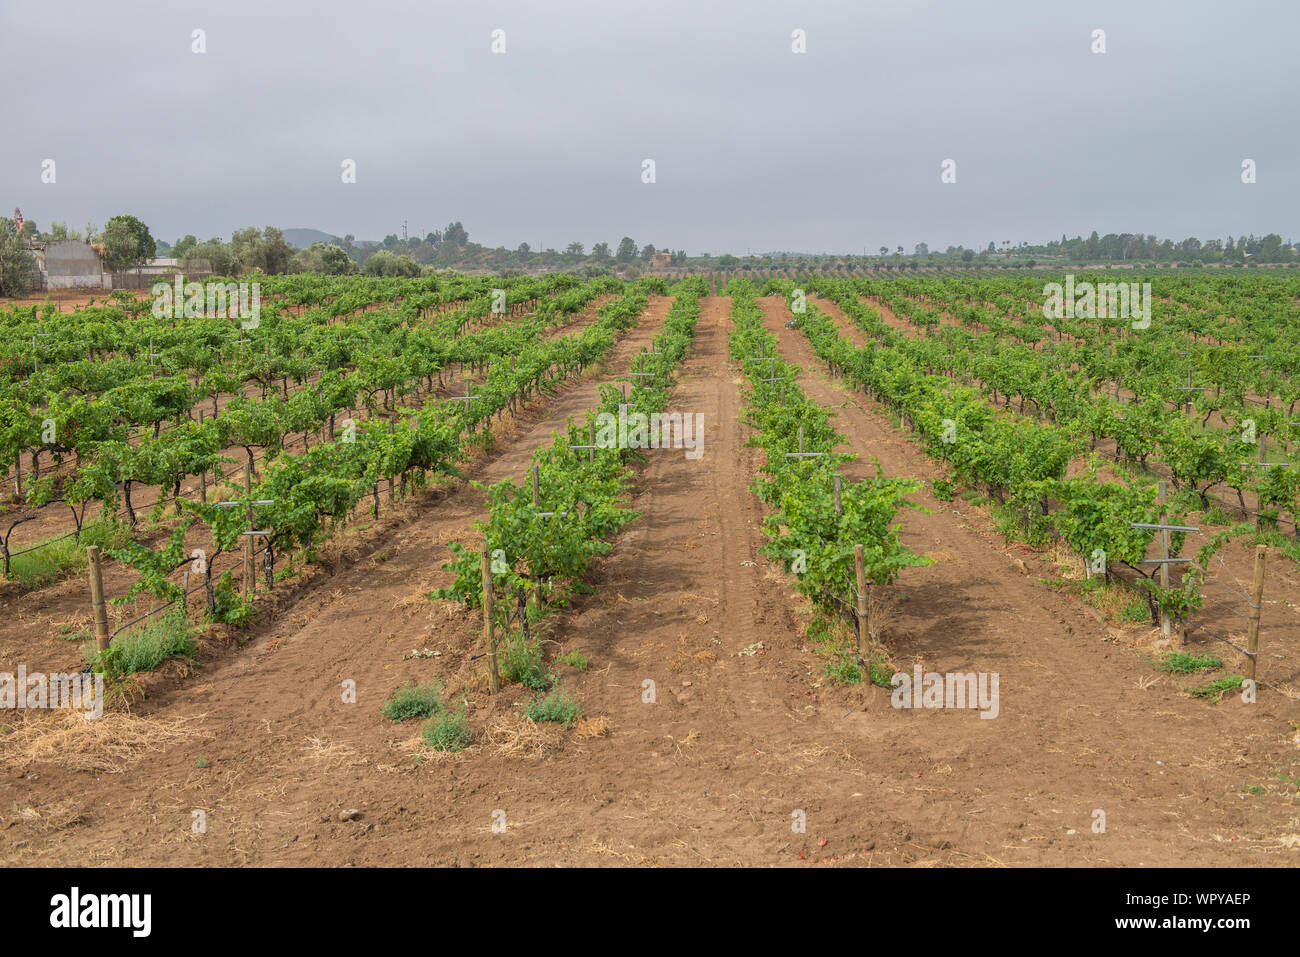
(575, 659)
(541, 553)
(558, 707)
(154, 566)
(804, 531)
(1217, 688)
(447, 731)
(843, 670)
(144, 646)
(63, 557)
(227, 606)
(1135, 611)
(882, 674)
(18, 272)
(1181, 663)
(126, 242)
(385, 263)
(413, 701)
(520, 660)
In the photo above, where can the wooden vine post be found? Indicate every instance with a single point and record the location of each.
(864, 624)
(249, 577)
(1161, 497)
(203, 473)
(489, 637)
(534, 599)
(97, 608)
(1256, 600)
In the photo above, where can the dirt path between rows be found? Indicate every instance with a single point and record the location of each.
(740, 743)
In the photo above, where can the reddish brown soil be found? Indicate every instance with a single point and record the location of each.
(735, 744)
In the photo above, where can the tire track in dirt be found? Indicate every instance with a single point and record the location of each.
(1075, 732)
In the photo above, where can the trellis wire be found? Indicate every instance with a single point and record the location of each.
(185, 594)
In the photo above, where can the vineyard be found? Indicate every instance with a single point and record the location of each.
(402, 555)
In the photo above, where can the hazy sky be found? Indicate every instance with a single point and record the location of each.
(755, 147)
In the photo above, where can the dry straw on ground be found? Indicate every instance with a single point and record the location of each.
(46, 818)
(70, 739)
(518, 735)
(593, 727)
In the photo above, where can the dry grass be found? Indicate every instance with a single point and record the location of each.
(337, 755)
(691, 737)
(66, 737)
(684, 655)
(517, 735)
(50, 817)
(594, 727)
(1068, 565)
(417, 599)
(881, 612)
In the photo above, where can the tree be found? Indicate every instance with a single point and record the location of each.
(323, 258)
(648, 252)
(524, 249)
(184, 245)
(126, 242)
(276, 251)
(215, 255)
(384, 263)
(574, 249)
(266, 250)
(244, 246)
(335, 259)
(455, 233)
(59, 232)
(884, 250)
(600, 250)
(626, 250)
(17, 264)
(922, 249)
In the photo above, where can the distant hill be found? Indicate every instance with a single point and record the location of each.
(302, 238)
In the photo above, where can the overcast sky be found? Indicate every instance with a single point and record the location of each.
(756, 147)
